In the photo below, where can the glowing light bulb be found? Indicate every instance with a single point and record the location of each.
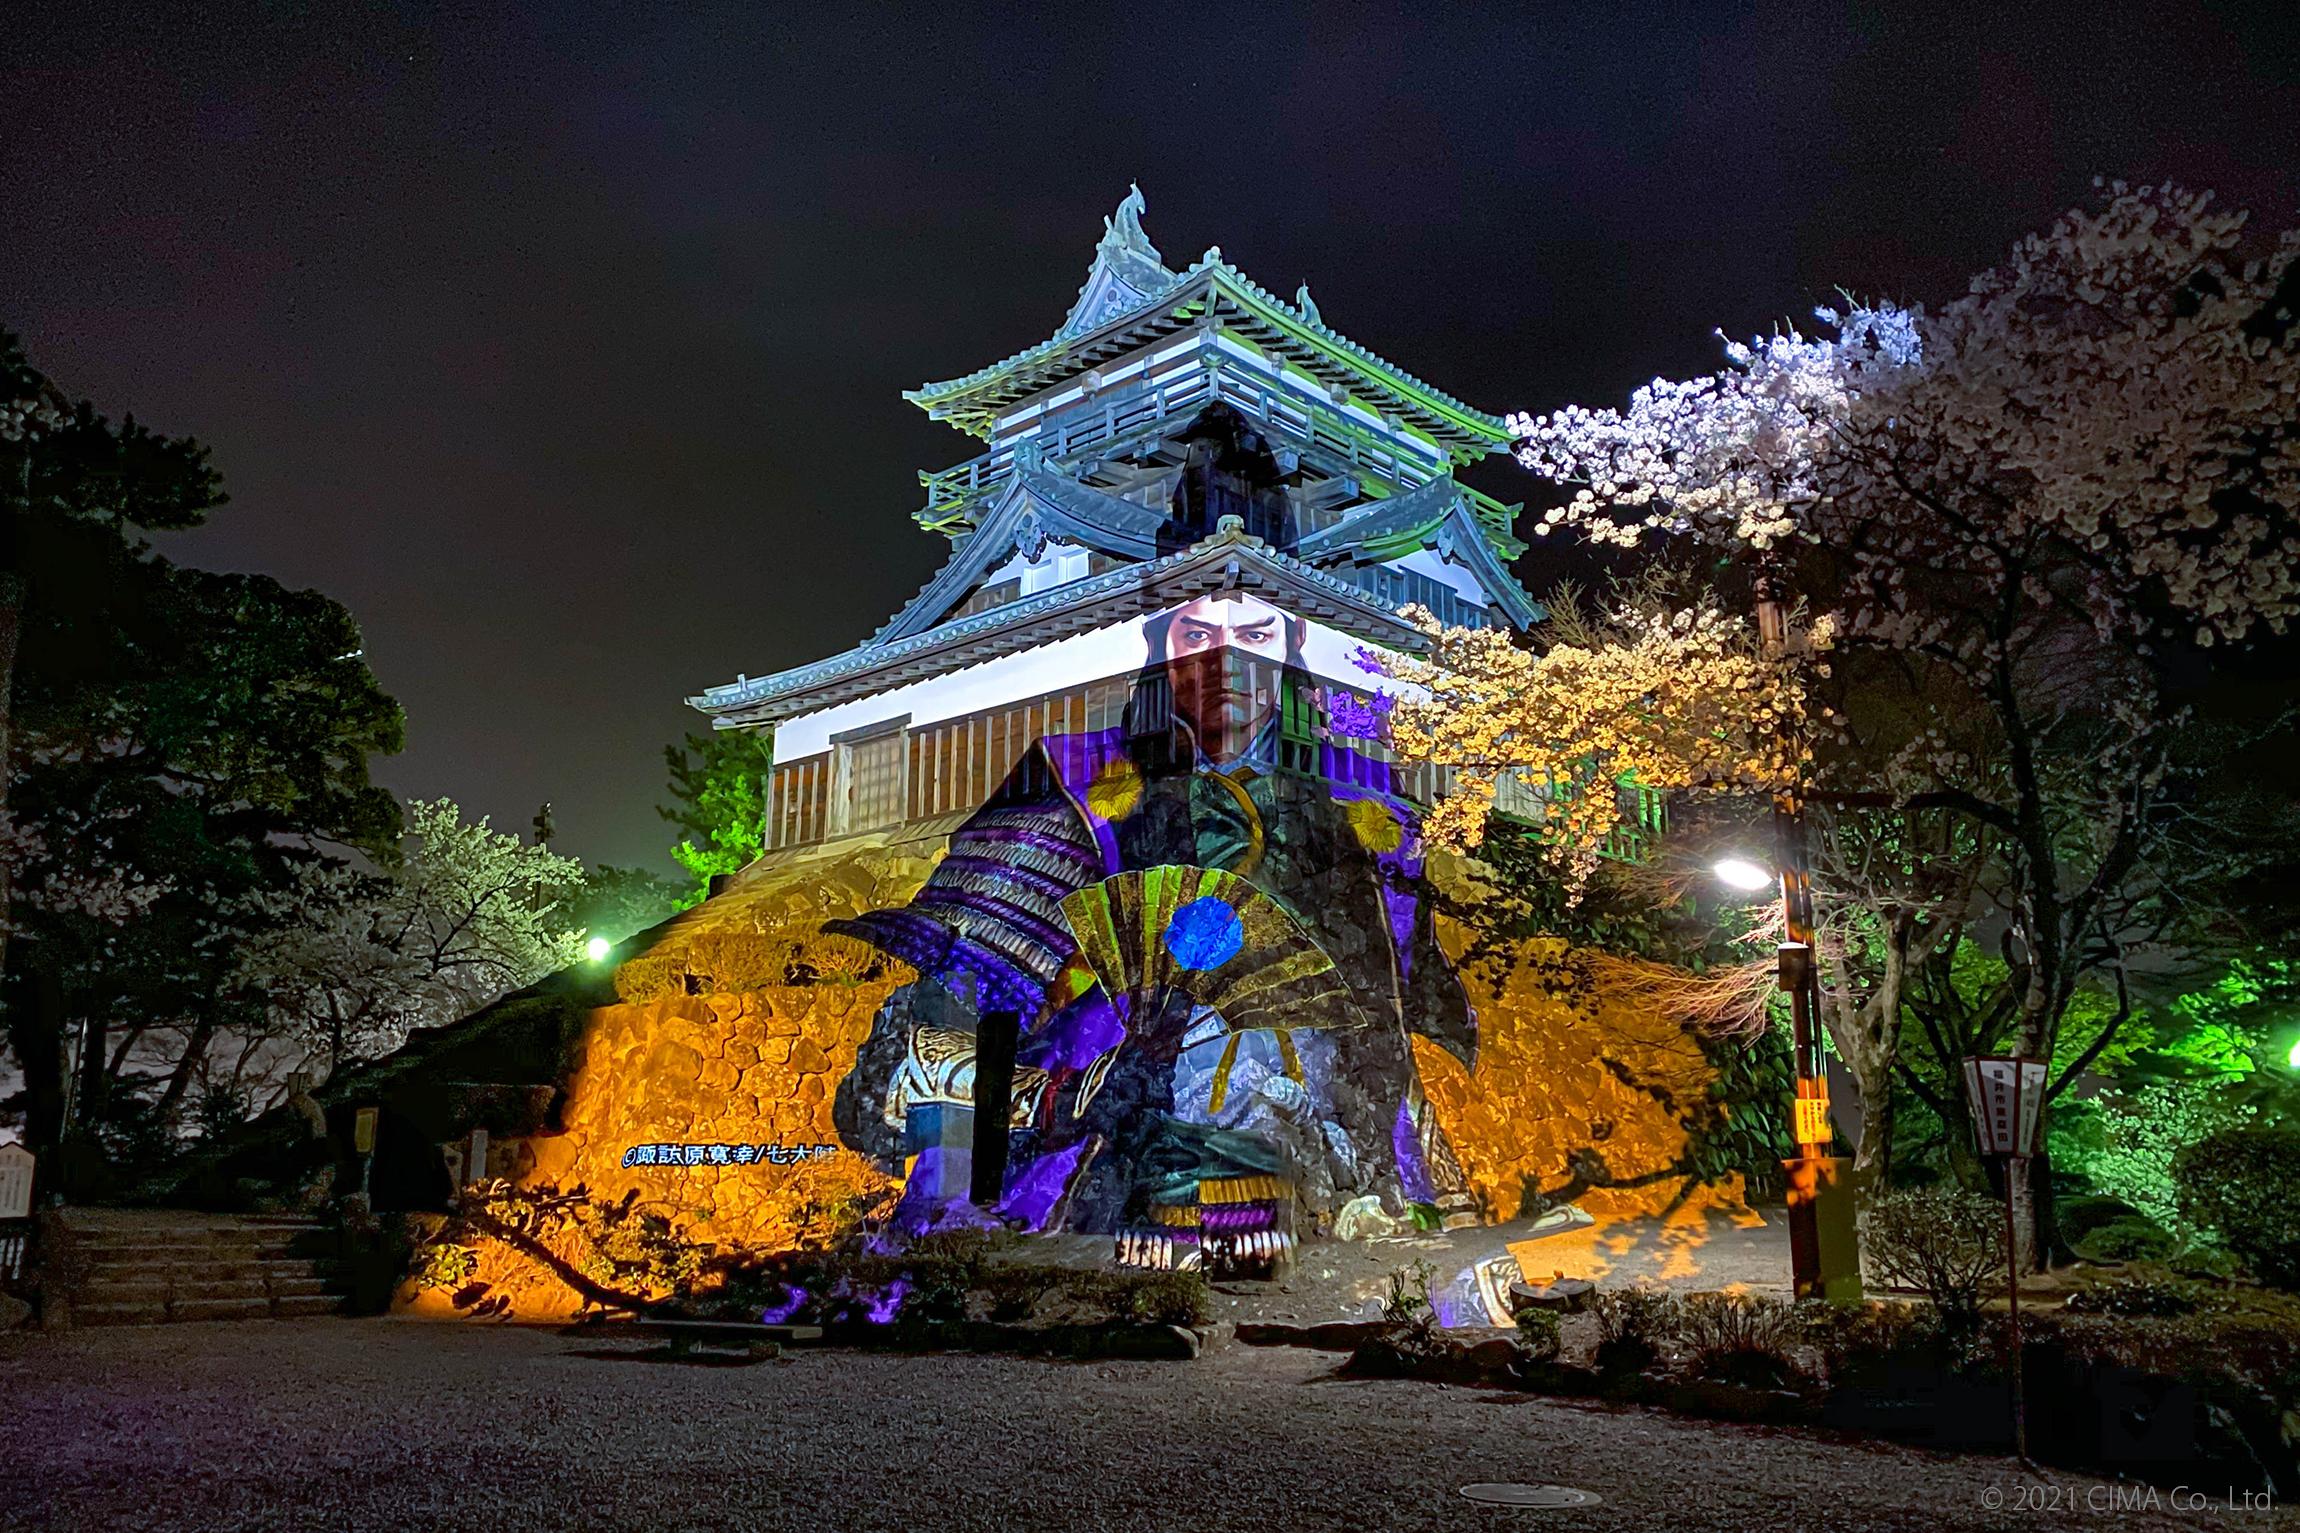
(599, 948)
(2293, 1058)
(1741, 873)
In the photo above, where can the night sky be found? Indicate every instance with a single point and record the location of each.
(564, 345)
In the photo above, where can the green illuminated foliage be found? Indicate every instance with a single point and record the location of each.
(2244, 1185)
(616, 902)
(719, 802)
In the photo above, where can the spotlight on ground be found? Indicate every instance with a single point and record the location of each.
(1740, 873)
(599, 948)
(2293, 1058)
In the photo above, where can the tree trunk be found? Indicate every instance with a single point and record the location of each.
(1875, 1081)
(1868, 1039)
(11, 623)
(91, 1103)
(180, 1079)
(35, 1013)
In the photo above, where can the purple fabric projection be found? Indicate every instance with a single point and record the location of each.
(1459, 1302)
(1075, 1036)
(792, 1301)
(931, 947)
(924, 1212)
(1413, 1176)
(1040, 1187)
(882, 1308)
(1344, 767)
(1350, 719)
(1076, 759)
(1401, 871)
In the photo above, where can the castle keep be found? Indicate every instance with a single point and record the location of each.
(1093, 901)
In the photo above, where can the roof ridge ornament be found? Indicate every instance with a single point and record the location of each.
(1307, 304)
(1122, 230)
(1128, 271)
(1230, 529)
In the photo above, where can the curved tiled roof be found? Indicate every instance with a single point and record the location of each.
(1335, 338)
(1017, 625)
(1216, 273)
(1060, 507)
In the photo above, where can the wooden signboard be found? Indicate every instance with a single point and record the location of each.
(15, 1181)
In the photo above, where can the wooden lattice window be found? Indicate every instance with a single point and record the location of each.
(876, 782)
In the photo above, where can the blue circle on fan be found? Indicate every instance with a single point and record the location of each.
(1205, 934)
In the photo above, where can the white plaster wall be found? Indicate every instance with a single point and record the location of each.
(1113, 651)
(1426, 561)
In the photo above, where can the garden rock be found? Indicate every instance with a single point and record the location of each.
(1723, 1401)
(1364, 1219)
(1567, 1296)
(1334, 1336)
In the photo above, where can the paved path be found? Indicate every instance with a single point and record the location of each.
(364, 1425)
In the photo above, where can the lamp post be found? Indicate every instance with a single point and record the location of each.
(1824, 1250)
(2006, 1093)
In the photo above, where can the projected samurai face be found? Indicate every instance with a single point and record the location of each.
(1225, 656)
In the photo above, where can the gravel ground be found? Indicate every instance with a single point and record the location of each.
(359, 1425)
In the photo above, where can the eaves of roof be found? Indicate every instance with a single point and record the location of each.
(1229, 560)
(973, 401)
(1436, 516)
(1035, 506)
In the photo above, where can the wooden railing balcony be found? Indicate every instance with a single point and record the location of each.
(953, 495)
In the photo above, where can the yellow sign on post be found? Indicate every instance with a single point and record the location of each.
(1812, 1120)
(363, 1130)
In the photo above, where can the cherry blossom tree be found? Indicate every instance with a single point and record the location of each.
(355, 959)
(2088, 462)
(2016, 513)
(1659, 689)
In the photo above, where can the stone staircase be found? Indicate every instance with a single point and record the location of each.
(149, 1266)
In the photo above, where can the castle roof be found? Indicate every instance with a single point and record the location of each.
(1130, 299)
(1229, 560)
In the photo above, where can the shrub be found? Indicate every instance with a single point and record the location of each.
(1408, 1306)
(949, 1283)
(2238, 1335)
(1846, 1337)
(2133, 1295)
(1942, 1241)
(2079, 1217)
(1741, 1338)
(2132, 1238)
(2145, 1132)
(2244, 1185)
(1169, 1298)
(1632, 1324)
(2203, 1262)
(1711, 1322)
(1537, 1332)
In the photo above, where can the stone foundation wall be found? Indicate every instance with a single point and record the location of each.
(735, 1028)
(1575, 1094)
(732, 1036)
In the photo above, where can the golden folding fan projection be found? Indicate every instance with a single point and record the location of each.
(1211, 936)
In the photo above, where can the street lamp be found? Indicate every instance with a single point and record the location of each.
(1824, 1245)
(2006, 1094)
(1742, 874)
